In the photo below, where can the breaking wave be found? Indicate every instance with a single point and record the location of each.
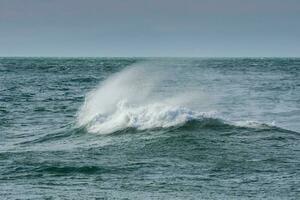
(140, 97)
(156, 115)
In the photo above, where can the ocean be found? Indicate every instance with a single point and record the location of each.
(149, 128)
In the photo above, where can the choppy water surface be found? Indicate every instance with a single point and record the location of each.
(132, 128)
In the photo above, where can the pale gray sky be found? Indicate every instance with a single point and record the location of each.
(197, 28)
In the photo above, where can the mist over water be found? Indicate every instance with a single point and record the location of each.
(141, 128)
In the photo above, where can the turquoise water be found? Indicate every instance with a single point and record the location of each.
(137, 128)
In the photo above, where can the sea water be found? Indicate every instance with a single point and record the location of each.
(149, 128)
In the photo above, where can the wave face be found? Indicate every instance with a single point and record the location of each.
(137, 128)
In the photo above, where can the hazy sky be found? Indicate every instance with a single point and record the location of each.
(197, 28)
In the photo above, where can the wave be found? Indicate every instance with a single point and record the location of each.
(139, 98)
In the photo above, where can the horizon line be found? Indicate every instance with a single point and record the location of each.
(149, 57)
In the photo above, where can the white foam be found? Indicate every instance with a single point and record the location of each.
(156, 115)
(253, 124)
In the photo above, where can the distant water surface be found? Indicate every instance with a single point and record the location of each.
(159, 128)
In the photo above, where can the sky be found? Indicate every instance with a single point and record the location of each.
(151, 28)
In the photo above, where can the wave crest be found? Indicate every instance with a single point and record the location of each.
(156, 115)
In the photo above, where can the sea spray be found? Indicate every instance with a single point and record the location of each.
(139, 97)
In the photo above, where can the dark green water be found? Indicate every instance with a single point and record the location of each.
(158, 129)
